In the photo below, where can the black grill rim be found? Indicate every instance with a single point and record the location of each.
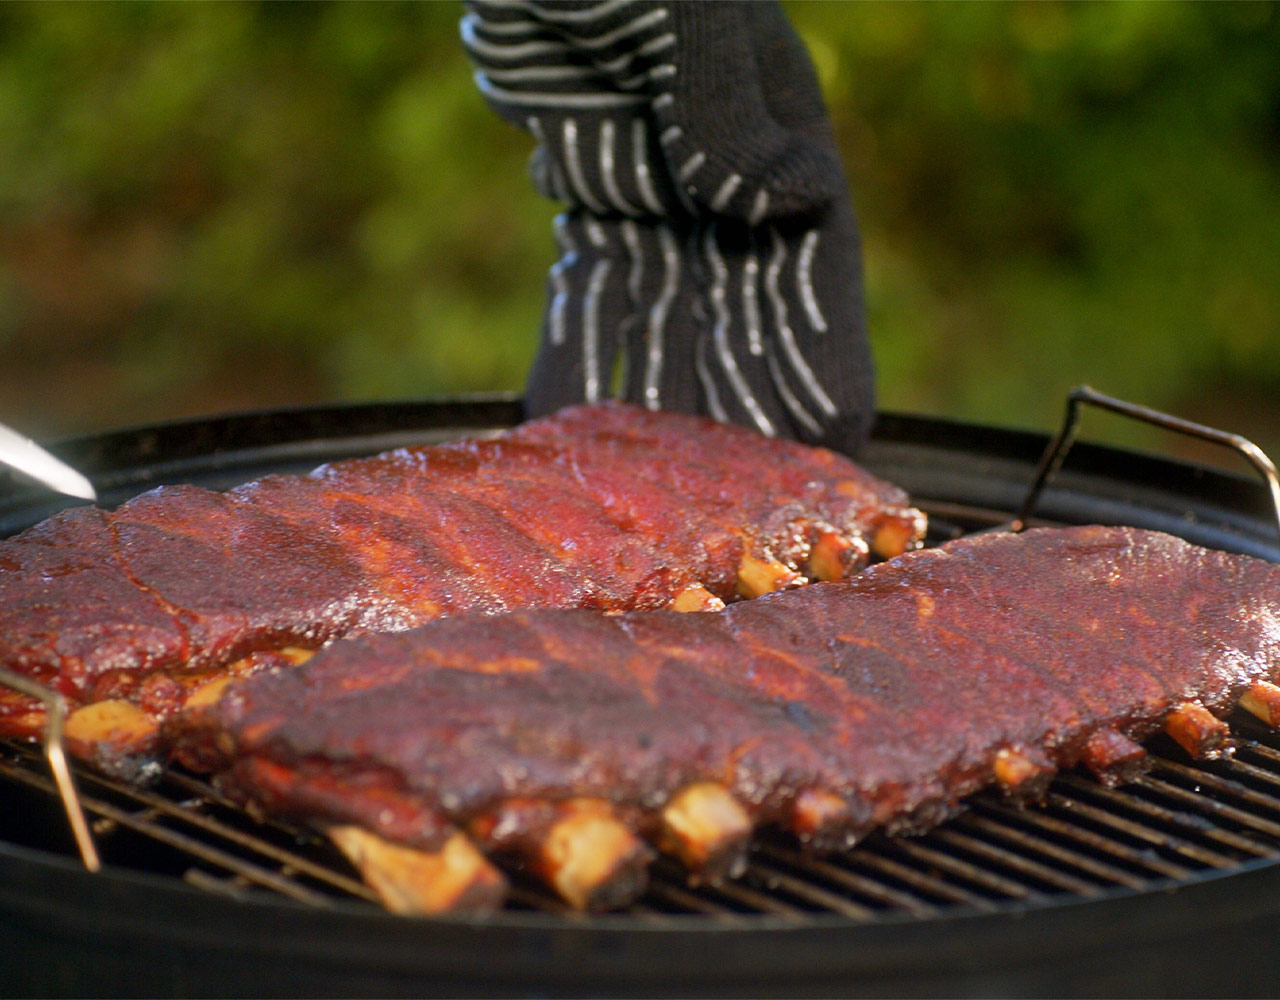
(1198, 940)
(61, 922)
(15, 856)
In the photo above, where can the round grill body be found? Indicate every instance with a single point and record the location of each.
(1168, 887)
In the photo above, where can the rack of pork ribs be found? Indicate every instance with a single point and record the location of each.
(574, 745)
(135, 613)
(578, 724)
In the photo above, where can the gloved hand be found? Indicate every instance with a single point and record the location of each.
(708, 242)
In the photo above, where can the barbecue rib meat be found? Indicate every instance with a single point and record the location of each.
(880, 702)
(608, 507)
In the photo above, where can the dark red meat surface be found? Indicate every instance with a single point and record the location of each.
(895, 690)
(607, 507)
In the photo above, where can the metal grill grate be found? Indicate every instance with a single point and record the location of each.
(1084, 840)
(1181, 821)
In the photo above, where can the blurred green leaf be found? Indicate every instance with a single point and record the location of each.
(207, 206)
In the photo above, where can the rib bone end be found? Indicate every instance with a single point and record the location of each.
(1113, 758)
(834, 557)
(455, 879)
(113, 729)
(757, 576)
(1263, 700)
(708, 830)
(823, 820)
(1022, 773)
(696, 597)
(592, 860)
(208, 693)
(1198, 731)
(895, 534)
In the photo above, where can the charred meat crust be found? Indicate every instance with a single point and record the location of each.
(609, 507)
(880, 701)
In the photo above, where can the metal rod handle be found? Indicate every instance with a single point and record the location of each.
(1052, 459)
(54, 751)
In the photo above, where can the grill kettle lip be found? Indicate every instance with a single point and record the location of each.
(64, 931)
(71, 933)
(926, 455)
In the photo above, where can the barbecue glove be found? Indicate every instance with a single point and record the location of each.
(708, 246)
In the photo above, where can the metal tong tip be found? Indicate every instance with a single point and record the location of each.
(29, 458)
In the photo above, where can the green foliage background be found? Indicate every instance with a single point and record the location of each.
(215, 206)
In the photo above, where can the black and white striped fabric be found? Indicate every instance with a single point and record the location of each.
(708, 247)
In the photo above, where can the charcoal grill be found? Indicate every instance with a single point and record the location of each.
(1167, 886)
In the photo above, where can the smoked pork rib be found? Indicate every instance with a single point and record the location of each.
(879, 702)
(607, 507)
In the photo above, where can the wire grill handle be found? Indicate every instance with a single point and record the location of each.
(55, 753)
(1056, 451)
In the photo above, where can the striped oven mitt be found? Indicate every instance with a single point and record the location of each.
(709, 254)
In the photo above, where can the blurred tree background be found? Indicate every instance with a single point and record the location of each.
(208, 207)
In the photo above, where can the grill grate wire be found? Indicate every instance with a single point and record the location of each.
(1181, 820)
(1082, 841)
